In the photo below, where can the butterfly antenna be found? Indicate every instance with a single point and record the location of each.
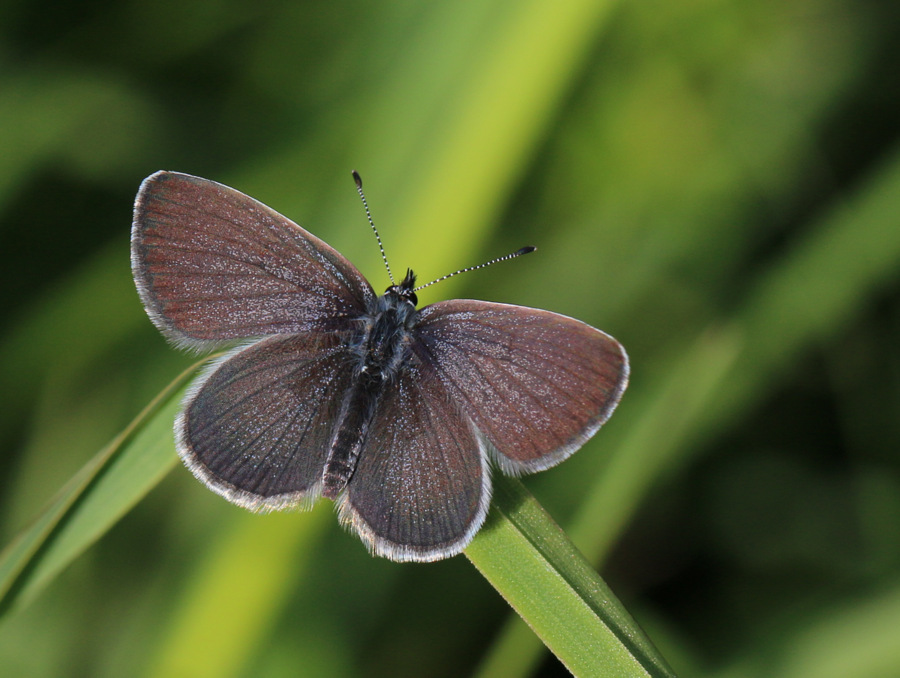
(362, 196)
(518, 253)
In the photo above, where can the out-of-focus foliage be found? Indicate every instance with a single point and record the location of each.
(715, 183)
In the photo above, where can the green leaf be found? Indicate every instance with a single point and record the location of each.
(94, 499)
(541, 574)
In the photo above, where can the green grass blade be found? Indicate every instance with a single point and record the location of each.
(94, 499)
(540, 573)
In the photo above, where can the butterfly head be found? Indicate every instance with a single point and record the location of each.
(406, 289)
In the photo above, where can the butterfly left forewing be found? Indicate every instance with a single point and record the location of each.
(536, 384)
(212, 264)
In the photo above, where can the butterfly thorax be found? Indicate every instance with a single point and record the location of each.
(381, 351)
(387, 334)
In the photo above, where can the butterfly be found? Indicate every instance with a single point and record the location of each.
(395, 413)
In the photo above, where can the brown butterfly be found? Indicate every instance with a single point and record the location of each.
(394, 412)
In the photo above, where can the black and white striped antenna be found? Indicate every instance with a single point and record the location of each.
(518, 253)
(362, 196)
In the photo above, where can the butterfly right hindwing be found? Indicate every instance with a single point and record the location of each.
(422, 484)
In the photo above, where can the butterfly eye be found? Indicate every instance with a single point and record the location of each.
(404, 293)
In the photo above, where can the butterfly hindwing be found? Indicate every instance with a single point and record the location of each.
(213, 264)
(536, 384)
(256, 429)
(421, 487)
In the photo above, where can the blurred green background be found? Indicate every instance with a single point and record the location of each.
(715, 183)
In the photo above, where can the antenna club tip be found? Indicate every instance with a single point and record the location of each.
(526, 250)
(357, 178)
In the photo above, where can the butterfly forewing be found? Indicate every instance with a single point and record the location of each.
(257, 428)
(213, 264)
(536, 384)
(421, 488)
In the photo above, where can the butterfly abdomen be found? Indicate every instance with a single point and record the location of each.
(350, 433)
